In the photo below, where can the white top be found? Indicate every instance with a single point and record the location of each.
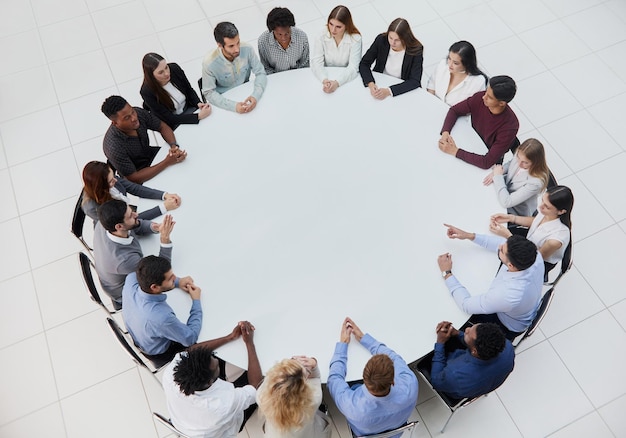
(393, 67)
(550, 230)
(214, 412)
(440, 79)
(178, 98)
(326, 53)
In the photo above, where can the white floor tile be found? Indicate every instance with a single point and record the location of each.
(24, 319)
(44, 245)
(540, 111)
(303, 12)
(14, 262)
(83, 117)
(57, 177)
(165, 17)
(538, 386)
(618, 7)
(563, 8)
(49, 136)
(436, 37)
(82, 362)
(122, 23)
(250, 21)
(7, 197)
(555, 162)
(49, 12)
(554, 43)
(415, 12)
(454, 6)
(522, 16)
(613, 59)
(575, 76)
(603, 277)
(87, 151)
(26, 92)
(463, 24)
(125, 58)
(17, 16)
(60, 39)
(187, 42)
(590, 425)
(61, 292)
(212, 8)
(574, 300)
(31, 54)
(619, 312)
(585, 24)
(116, 407)
(96, 5)
(575, 136)
(609, 115)
(95, 75)
(370, 23)
(613, 415)
(27, 376)
(3, 158)
(510, 55)
(130, 91)
(602, 380)
(604, 182)
(46, 422)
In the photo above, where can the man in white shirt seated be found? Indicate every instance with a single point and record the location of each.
(201, 402)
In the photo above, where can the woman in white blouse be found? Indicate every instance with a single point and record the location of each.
(457, 77)
(550, 230)
(521, 180)
(338, 46)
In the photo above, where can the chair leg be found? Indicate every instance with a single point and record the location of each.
(447, 421)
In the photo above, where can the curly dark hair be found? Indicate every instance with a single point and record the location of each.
(280, 17)
(521, 252)
(112, 105)
(490, 340)
(193, 373)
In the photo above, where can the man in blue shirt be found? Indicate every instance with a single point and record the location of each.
(388, 394)
(151, 322)
(470, 363)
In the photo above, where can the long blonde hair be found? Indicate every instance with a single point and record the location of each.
(286, 399)
(534, 151)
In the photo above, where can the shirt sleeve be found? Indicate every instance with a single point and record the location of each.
(456, 111)
(260, 77)
(365, 66)
(185, 334)
(264, 53)
(337, 385)
(508, 199)
(414, 79)
(209, 90)
(317, 60)
(352, 69)
(442, 378)
(487, 303)
(303, 62)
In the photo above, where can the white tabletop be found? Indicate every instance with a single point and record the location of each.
(315, 207)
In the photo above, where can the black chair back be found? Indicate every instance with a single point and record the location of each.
(78, 222)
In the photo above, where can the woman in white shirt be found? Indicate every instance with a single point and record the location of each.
(457, 77)
(338, 46)
(521, 180)
(550, 230)
(289, 398)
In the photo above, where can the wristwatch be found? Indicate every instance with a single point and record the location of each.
(444, 273)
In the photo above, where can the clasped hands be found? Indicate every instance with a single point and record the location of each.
(246, 106)
(447, 144)
(349, 328)
(378, 93)
(445, 331)
(176, 154)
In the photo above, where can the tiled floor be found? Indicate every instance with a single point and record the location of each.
(62, 374)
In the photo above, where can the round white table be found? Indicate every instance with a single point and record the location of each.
(314, 207)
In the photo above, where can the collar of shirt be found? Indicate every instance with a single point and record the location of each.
(121, 240)
(150, 297)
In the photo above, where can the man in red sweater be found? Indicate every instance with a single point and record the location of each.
(492, 118)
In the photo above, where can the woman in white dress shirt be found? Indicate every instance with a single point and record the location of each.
(550, 230)
(521, 180)
(457, 77)
(289, 398)
(339, 46)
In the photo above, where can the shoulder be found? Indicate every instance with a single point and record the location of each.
(355, 37)
(211, 57)
(264, 38)
(299, 33)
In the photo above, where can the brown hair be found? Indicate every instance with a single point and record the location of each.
(534, 151)
(149, 63)
(378, 374)
(343, 15)
(95, 177)
(401, 27)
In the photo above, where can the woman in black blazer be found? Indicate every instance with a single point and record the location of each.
(167, 93)
(398, 38)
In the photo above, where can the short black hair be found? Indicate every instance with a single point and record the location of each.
(521, 252)
(112, 213)
(193, 373)
(225, 29)
(280, 17)
(503, 88)
(112, 105)
(151, 270)
(490, 340)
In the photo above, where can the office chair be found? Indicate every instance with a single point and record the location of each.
(409, 426)
(168, 424)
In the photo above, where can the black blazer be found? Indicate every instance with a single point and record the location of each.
(180, 81)
(411, 66)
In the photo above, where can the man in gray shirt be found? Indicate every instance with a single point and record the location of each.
(116, 249)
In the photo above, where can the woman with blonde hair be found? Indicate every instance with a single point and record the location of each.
(521, 180)
(339, 46)
(289, 398)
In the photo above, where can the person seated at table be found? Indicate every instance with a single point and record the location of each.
(550, 230)
(471, 362)
(397, 53)
(515, 293)
(457, 77)
(151, 322)
(228, 66)
(283, 46)
(116, 249)
(492, 119)
(289, 398)
(201, 399)
(126, 144)
(519, 181)
(101, 186)
(167, 93)
(338, 46)
(388, 394)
